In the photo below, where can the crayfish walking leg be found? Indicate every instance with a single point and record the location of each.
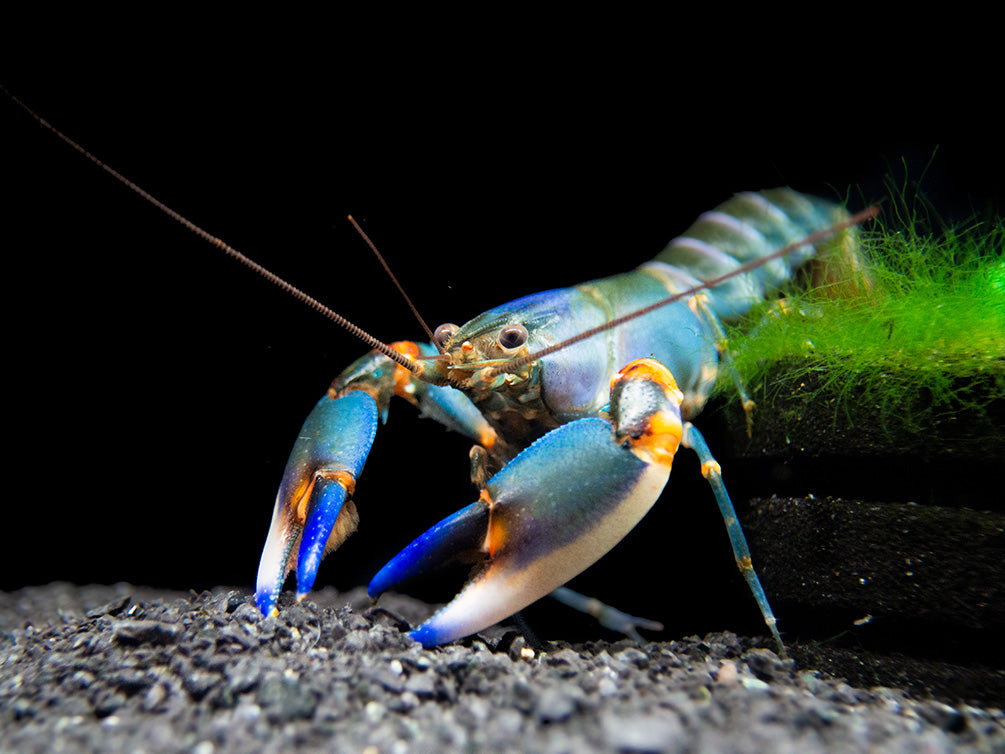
(712, 472)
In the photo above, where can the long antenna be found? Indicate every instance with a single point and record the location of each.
(857, 219)
(387, 269)
(230, 251)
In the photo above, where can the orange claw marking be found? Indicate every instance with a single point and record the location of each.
(347, 480)
(495, 536)
(663, 430)
(661, 440)
(652, 370)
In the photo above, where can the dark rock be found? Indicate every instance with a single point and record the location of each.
(114, 607)
(144, 632)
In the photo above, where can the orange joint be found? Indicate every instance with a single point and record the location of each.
(402, 376)
(347, 480)
(487, 437)
(711, 467)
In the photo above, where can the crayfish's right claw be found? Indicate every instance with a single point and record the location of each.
(555, 509)
(314, 512)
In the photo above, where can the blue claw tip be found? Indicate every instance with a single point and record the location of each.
(425, 635)
(328, 498)
(266, 602)
(462, 530)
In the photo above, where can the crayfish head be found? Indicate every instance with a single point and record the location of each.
(499, 336)
(491, 340)
(474, 354)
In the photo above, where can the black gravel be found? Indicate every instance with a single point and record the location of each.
(123, 668)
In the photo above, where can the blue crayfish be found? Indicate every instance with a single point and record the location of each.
(577, 398)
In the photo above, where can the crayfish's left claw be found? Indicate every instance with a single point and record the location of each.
(314, 512)
(555, 509)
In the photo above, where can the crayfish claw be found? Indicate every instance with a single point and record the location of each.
(555, 509)
(314, 511)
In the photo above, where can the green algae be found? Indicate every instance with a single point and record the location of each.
(925, 337)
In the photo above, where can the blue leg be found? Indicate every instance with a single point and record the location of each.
(712, 472)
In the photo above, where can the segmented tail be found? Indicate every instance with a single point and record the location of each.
(749, 226)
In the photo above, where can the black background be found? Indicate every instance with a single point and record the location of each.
(155, 387)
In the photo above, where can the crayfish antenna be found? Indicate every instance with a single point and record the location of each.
(420, 370)
(401, 290)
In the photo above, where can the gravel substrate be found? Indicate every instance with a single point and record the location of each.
(124, 668)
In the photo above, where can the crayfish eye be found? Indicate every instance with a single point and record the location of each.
(444, 333)
(512, 336)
